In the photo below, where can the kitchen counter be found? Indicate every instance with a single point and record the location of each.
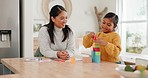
(54, 69)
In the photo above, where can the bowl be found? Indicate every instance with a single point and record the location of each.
(127, 74)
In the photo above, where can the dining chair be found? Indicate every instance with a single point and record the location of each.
(38, 53)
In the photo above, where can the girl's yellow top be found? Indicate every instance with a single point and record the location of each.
(109, 52)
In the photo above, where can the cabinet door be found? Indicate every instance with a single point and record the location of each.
(1, 69)
(6, 70)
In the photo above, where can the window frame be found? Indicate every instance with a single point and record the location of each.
(119, 11)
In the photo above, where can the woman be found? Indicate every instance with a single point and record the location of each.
(56, 39)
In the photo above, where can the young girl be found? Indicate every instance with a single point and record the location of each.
(108, 39)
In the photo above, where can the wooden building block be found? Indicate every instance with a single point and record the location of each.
(87, 60)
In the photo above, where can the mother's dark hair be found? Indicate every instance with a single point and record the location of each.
(55, 11)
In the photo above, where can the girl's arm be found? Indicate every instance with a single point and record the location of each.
(87, 41)
(114, 49)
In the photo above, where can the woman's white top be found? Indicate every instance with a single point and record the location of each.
(49, 49)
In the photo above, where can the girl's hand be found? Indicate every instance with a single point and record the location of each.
(100, 41)
(91, 34)
(63, 55)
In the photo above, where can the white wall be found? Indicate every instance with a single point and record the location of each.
(27, 28)
(0, 11)
(81, 20)
(83, 17)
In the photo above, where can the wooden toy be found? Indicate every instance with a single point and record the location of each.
(87, 59)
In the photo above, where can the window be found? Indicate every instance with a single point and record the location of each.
(133, 25)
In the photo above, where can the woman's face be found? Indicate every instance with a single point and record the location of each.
(107, 25)
(60, 20)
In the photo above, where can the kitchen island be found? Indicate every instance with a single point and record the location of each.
(54, 69)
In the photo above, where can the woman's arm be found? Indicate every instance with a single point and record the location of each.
(44, 43)
(70, 44)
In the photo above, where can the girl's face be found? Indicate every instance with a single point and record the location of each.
(107, 25)
(60, 20)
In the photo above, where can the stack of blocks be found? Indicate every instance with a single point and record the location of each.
(96, 53)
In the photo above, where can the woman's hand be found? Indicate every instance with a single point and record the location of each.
(63, 55)
(100, 41)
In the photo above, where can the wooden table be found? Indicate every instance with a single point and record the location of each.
(54, 69)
